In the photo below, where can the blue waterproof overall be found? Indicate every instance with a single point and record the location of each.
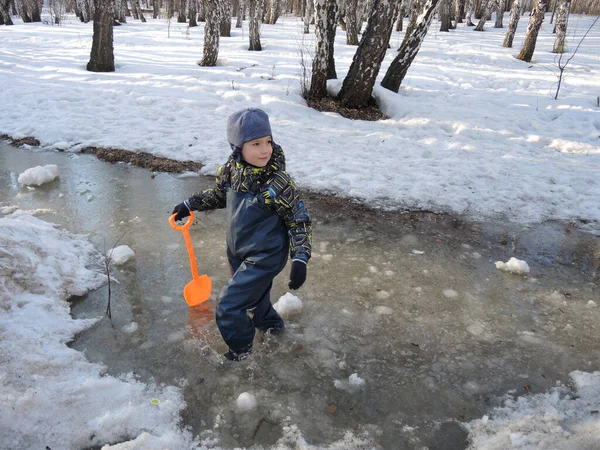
(257, 249)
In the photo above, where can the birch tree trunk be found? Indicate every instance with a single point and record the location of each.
(318, 80)
(561, 25)
(444, 13)
(469, 8)
(211, 33)
(308, 15)
(499, 14)
(274, 11)
(102, 58)
(358, 85)
(485, 10)
(515, 14)
(225, 17)
(5, 12)
(254, 18)
(460, 10)
(193, 13)
(240, 13)
(535, 22)
(352, 22)
(155, 10)
(139, 12)
(410, 47)
(181, 14)
(331, 28)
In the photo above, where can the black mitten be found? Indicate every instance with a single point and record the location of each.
(181, 210)
(297, 274)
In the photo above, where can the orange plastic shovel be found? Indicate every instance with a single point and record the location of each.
(198, 290)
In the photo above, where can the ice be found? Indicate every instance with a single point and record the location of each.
(384, 310)
(6, 210)
(121, 254)
(382, 294)
(353, 383)
(130, 328)
(246, 402)
(38, 175)
(450, 293)
(592, 304)
(513, 265)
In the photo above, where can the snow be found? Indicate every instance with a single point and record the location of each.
(36, 176)
(472, 131)
(513, 265)
(121, 254)
(288, 305)
(43, 380)
(564, 418)
(246, 402)
(353, 383)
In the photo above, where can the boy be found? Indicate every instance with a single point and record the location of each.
(265, 220)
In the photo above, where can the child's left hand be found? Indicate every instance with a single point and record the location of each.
(297, 274)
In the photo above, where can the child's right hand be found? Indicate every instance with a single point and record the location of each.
(181, 210)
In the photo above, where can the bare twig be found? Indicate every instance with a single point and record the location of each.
(562, 67)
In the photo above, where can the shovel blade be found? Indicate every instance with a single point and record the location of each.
(198, 290)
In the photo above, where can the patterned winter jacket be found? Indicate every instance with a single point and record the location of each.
(275, 189)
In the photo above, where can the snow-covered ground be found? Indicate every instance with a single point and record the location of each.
(472, 131)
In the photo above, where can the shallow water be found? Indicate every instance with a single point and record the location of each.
(411, 304)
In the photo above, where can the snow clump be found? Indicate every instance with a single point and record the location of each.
(38, 175)
(289, 305)
(354, 382)
(121, 254)
(513, 265)
(246, 402)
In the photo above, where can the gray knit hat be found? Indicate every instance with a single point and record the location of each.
(247, 125)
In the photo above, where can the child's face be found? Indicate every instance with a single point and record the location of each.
(258, 152)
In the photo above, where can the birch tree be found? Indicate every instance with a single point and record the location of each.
(274, 11)
(358, 85)
(410, 47)
(444, 13)
(515, 14)
(225, 17)
(254, 18)
(240, 13)
(211, 33)
(192, 13)
(535, 23)
(102, 57)
(487, 6)
(562, 19)
(331, 29)
(308, 15)
(318, 80)
(499, 14)
(460, 10)
(5, 13)
(352, 22)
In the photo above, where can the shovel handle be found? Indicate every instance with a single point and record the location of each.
(185, 226)
(188, 240)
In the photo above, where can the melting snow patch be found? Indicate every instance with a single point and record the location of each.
(246, 402)
(289, 305)
(382, 294)
(592, 304)
(354, 382)
(560, 418)
(36, 176)
(131, 328)
(384, 310)
(418, 252)
(6, 210)
(513, 265)
(450, 293)
(121, 254)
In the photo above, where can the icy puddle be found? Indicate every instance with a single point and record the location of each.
(407, 327)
